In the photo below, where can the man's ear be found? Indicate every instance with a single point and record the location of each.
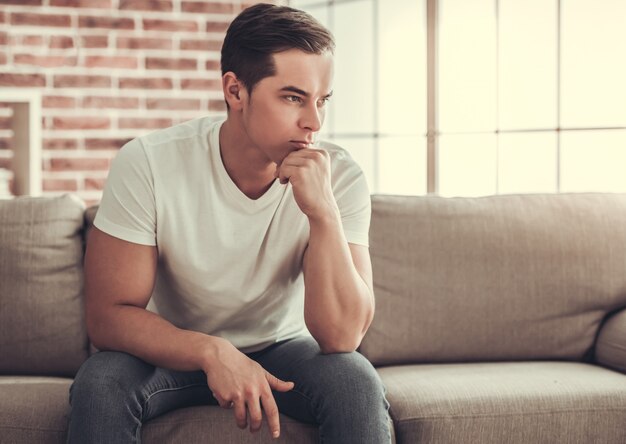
(234, 91)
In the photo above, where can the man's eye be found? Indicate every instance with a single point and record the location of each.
(324, 101)
(294, 99)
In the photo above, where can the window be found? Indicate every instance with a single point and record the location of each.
(480, 97)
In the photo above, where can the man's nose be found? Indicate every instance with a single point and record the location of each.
(311, 119)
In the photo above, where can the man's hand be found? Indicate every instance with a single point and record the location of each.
(308, 171)
(239, 383)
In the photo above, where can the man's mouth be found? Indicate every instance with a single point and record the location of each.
(300, 144)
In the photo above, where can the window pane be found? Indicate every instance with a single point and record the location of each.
(467, 165)
(593, 161)
(527, 163)
(362, 151)
(402, 165)
(402, 67)
(352, 102)
(467, 69)
(593, 67)
(527, 64)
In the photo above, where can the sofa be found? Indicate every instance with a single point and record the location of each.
(499, 319)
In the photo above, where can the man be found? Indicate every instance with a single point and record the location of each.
(229, 265)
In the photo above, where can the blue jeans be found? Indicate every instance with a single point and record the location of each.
(114, 393)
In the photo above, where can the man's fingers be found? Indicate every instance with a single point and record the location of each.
(255, 415)
(271, 412)
(240, 413)
(278, 384)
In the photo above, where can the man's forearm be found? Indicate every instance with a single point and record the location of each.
(338, 303)
(148, 336)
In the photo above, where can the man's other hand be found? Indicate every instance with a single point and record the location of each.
(308, 171)
(241, 384)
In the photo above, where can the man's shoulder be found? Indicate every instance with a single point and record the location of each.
(188, 130)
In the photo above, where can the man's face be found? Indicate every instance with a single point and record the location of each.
(285, 111)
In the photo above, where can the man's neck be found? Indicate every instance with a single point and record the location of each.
(248, 168)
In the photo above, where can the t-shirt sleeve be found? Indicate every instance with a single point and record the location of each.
(353, 199)
(127, 210)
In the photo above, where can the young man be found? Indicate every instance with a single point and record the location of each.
(229, 265)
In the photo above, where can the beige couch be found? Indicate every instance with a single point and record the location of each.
(499, 320)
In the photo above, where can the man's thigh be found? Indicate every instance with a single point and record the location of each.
(318, 377)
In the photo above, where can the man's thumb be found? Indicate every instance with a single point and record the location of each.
(279, 384)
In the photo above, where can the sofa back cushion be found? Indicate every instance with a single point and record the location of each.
(506, 277)
(41, 308)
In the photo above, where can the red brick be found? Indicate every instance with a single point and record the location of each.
(94, 41)
(161, 63)
(60, 185)
(77, 164)
(58, 102)
(217, 105)
(60, 144)
(69, 123)
(201, 45)
(82, 3)
(32, 19)
(145, 83)
(110, 102)
(146, 5)
(61, 41)
(7, 79)
(213, 65)
(77, 81)
(144, 122)
(214, 26)
(3, 38)
(5, 123)
(2, 17)
(177, 104)
(22, 2)
(6, 143)
(3, 58)
(106, 22)
(44, 61)
(105, 144)
(169, 25)
(27, 40)
(93, 183)
(111, 62)
(208, 7)
(143, 43)
(202, 84)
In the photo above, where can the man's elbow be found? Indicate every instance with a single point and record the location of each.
(345, 346)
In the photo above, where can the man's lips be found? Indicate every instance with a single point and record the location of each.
(300, 144)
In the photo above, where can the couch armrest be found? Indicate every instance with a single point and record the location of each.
(611, 344)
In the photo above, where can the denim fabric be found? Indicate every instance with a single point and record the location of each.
(114, 393)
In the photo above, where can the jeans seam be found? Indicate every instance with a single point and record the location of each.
(170, 389)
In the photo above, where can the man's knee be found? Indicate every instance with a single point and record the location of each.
(107, 376)
(352, 372)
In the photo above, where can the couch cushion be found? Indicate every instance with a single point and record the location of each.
(511, 277)
(516, 403)
(41, 308)
(34, 409)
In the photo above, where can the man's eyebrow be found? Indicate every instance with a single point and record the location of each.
(300, 91)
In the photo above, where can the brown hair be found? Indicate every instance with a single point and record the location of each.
(263, 30)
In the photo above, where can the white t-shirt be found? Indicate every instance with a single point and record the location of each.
(228, 265)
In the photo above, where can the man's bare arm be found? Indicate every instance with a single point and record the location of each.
(339, 301)
(119, 278)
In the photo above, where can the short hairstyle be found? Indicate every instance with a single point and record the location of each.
(262, 30)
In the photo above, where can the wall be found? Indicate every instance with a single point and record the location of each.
(108, 71)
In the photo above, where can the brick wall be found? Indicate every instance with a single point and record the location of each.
(109, 71)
